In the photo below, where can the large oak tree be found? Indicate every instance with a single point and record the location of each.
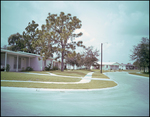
(90, 56)
(140, 53)
(30, 35)
(56, 34)
(25, 41)
(16, 42)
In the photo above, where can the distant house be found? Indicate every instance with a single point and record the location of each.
(21, 60)
(113, 66)
(122, 66)
(109, 65)
(130, 66)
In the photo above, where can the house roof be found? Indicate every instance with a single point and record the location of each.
(108, 63)
(21, 53)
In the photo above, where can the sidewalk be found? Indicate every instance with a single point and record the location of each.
(85, 79)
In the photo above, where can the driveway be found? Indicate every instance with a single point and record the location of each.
(129, 97)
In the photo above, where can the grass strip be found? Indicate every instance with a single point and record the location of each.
(94, 84)
(32, 77)
(97, 74)
(134, 72)
(142, 74)
(77, 73)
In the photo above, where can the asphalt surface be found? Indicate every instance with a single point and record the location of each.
(129, 98)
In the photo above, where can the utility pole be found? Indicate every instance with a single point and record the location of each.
(101, 56)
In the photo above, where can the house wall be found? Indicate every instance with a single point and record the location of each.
(27, 62)
(10, 61)
(48, 61)
(68, 66)
(114, 67)
(36, 64)
(122, 67)
(59, 65)
(108, 67)
(24, 63)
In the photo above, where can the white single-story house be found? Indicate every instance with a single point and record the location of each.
(122, 66)
(21, 60)
(109, 65)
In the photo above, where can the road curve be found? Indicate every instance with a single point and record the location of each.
(129, 98)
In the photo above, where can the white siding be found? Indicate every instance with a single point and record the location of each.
(10, 61)
(36, 64)
(23, 63)
(48, 61)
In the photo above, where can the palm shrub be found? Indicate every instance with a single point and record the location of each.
(7, 67)
(48, 67)
(29, 69)
(55, 68)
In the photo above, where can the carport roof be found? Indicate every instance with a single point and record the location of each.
(19, 53)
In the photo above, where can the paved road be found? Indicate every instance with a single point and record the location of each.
(130, 97)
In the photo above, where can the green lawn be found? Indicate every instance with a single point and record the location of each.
(142, 74)
(103, 71)
(97, 74)
(94, 84)
(32, 77)
(134, 73)
(77, 73)
(40, 72)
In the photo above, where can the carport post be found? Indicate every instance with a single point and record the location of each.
(17, 64)
(101, 56)
(5, 60)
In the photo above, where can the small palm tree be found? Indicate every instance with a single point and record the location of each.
(7, 67)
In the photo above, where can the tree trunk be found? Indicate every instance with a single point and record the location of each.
(144, 69)
(62, 61)
(140, 68)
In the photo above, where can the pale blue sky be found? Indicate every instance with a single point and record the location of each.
(121, 24)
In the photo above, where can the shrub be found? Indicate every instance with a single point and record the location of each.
(65, 69)
(55, 68)
(29, 69)
(48, 67)
(7, 67)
